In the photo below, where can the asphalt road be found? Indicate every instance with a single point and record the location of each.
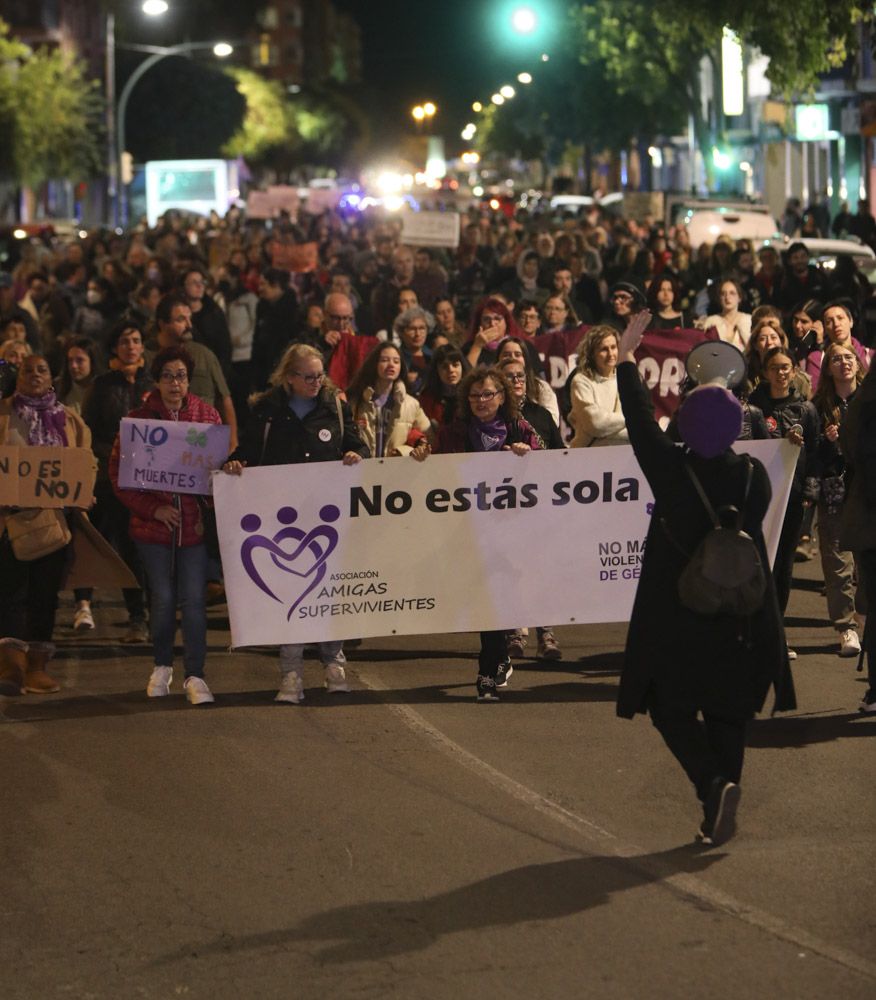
(404, 841)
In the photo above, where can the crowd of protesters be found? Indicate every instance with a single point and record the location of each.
(199, 321)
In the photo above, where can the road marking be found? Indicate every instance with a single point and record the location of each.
(688, 886)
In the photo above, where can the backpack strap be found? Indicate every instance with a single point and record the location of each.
(709, 508)
(340, 414)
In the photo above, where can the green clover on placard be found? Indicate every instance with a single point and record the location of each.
(197, 439)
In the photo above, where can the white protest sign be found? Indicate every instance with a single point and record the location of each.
(457, 543)
(171, 456)
(430, 229)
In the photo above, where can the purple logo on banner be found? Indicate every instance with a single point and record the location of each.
(305, 559)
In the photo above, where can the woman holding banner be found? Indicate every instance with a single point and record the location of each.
(489, 420)
(390, 420)
(33, 543)
(301, 418)
(168, 530)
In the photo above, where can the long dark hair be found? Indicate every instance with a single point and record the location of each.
(65, 381)
(826, 399)
(432, 384)
(531, 380)
(366, 376)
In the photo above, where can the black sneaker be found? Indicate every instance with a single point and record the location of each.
(486, 688)
(719, 812)
(503, 674)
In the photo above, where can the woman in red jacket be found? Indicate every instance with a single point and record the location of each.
(168, 530)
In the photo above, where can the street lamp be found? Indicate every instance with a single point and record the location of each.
(524, 78)
(497, 99)
(153, 8)
(220, 49)
(524, 20)
(507, 92)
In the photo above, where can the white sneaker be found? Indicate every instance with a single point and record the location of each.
(792, 653)
(197, 691)
(159, 682)
(850, 644)
(291, 689)
(83, 620)
(336, 679)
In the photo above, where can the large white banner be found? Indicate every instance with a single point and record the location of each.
(457, 543)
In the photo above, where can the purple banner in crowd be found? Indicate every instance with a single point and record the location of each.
(660, 358)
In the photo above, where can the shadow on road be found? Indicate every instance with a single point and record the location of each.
(379, 930)
(54, 708)
(801, 730)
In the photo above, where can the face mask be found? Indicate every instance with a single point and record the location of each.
(92, 296)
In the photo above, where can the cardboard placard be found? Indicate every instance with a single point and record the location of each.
(430, 229)
(46, 477)
(299, 258)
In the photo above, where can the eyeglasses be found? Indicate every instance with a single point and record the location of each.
(174, 377)
(483, 397)
(780, 369)
(339, 319)
(622, 297)
(488, 319)
(515, 376)
(310, 379)
(842, 359)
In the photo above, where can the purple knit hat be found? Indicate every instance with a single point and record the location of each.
(710, 420)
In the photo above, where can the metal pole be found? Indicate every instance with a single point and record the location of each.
(112, 171)
(130, 83)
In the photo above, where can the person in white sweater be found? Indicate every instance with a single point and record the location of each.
(596, 415)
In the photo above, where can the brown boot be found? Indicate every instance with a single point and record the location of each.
(13, 663)
(36, 680)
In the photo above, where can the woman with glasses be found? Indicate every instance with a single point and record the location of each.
(410, 330)
(528, 318)
(524, 388)
(301, 418)
(538, 390)
(488, 419)
(491, 323)
(841, 375)
(391, 421)
(559, 315)
(790, 417)
(596, 415)
(168, 530)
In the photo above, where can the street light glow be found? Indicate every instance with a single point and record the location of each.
(477, 106)
(524, 77)
(418, 113)
(154, 7)
(497, 99)
(524, 20)
(507, 91)
(222, 50)
(429, 109)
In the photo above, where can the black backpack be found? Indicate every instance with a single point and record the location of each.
(724, 574)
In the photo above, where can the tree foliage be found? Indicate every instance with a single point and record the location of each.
(51, 115)
(284, 131)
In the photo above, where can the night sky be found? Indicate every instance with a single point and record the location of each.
(449, 51)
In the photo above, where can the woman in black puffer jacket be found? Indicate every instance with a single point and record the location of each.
(788, 416)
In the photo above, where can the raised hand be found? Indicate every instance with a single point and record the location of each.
(632, 336)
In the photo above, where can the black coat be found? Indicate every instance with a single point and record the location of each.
(111, 397)
(210, 328)
(719, 663)
(780, 415)
(275, 435)
(541, 419)
(276, 327)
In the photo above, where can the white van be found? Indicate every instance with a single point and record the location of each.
(706, 223)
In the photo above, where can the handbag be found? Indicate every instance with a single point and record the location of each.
(37, 532)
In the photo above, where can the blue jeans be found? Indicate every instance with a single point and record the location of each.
(188, 588)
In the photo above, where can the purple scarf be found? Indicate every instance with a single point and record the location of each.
(490, 436)
(44, 418)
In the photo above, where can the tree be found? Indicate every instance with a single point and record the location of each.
(652, 52)
(51, 115)
(264, 120)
